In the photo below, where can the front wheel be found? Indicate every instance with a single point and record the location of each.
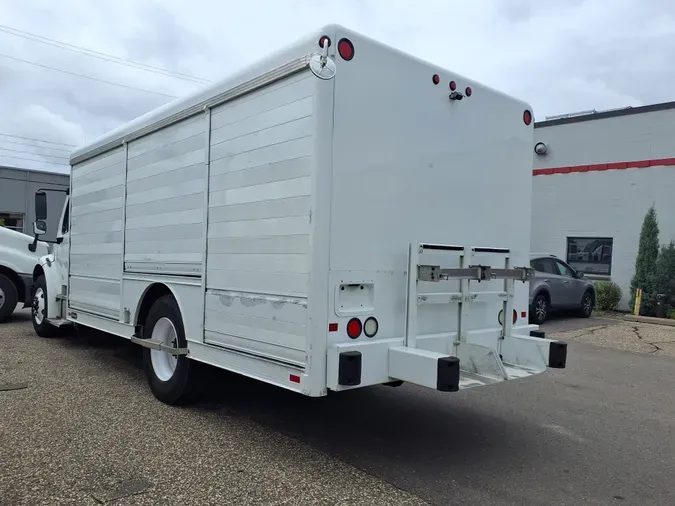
(171, 377)
(8, 297)
(39, 310)
(587, 303)
(539, 309)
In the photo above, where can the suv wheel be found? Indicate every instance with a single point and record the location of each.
(587, 303)
(539, 309)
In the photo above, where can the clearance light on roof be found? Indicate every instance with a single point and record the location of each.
(453, 85)
(346, 49)
(436, 79)
(324, 39)
(527, 117)
(468, 91)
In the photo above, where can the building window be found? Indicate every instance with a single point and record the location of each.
(12, 220)
(590, 255)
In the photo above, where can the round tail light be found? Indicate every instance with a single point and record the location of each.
(346, 49)
(527, 117)
(500, 317)
(436, 79)
(354, 328)
(370, 327)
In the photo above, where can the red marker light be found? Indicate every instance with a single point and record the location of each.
(453, 85)
(324, 38)
(527, 117)
(346, 49)
(468, 91)
(294, 378)
(354, 328)
(332, 327)
(436, 79)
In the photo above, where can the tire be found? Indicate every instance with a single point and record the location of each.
(171, 377)
(540, 309)
(587, 304)
(9, 297)
(38, 310)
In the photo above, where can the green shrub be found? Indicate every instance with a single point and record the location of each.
(607, 295)
(665, 271)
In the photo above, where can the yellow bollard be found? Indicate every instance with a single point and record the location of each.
(638, 302)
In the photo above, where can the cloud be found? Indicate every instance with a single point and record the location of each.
(560, 55)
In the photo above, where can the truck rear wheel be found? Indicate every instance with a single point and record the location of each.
(9, 297)
(171, 377)
(38, 310)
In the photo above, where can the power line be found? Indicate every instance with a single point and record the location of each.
(33, 153)
(38, 140)
(85, 77)
(35, 146)
(34, 160)
(103, 56)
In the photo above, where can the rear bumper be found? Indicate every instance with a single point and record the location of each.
(353, 365)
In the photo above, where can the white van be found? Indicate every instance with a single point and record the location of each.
(16, 270)
(336, 216)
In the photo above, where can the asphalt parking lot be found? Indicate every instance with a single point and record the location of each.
(86, 430)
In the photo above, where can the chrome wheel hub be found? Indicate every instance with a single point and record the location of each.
(38, 307)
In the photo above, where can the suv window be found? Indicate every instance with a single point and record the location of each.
(544, 265)
(564, 269)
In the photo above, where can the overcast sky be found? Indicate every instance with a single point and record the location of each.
(560, 55)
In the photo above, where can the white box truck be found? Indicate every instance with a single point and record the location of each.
(337, 216)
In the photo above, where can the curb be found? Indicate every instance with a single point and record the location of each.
(648, 319)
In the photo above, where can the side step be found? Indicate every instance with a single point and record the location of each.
(59, 322)
(156, 345)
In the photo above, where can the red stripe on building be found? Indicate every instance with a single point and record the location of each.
(636, 164)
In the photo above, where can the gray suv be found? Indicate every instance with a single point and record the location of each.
(556, 286)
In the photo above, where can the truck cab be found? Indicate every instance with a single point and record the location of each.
(50, 272)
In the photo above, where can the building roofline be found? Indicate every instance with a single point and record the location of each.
(34, 171)
(663, 106)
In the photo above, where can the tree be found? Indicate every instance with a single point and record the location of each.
(665, 273)
(645, 264)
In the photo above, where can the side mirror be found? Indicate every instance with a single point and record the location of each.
(39, 227)
(579, 275)
(40, 206)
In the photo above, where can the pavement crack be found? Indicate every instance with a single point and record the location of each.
(636, 331)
